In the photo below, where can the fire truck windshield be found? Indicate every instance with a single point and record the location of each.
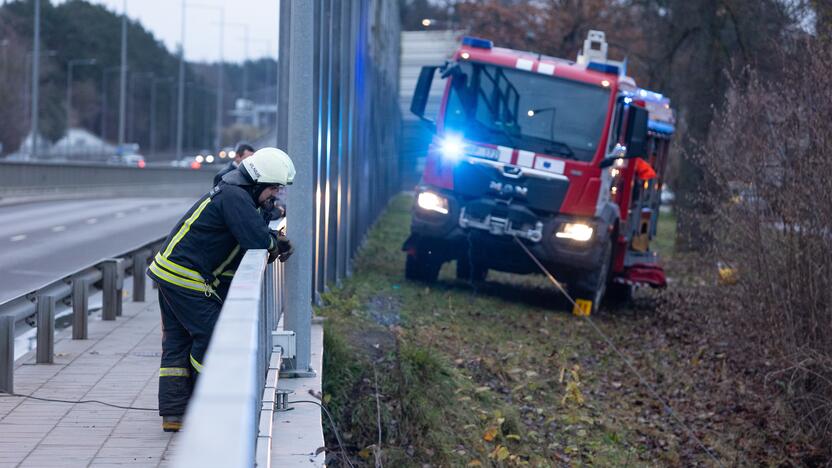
(526, 110)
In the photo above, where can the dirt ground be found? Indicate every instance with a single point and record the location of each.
(500, 373)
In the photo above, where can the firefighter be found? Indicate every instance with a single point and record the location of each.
(243, 151)
(204, 244)
(644, 170)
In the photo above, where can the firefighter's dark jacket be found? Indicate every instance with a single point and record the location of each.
(208, 242)
(225, 170)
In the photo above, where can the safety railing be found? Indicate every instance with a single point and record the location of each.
(38, 307)
(229, 417)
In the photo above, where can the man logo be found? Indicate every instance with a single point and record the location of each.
(508, 189)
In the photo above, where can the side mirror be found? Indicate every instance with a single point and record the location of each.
(422, 92)
(636, 138)
(619, 152)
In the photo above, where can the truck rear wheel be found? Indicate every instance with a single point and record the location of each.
(618, 293)
(422, 267)
(592, 286)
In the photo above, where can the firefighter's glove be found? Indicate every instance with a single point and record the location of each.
(283, 249)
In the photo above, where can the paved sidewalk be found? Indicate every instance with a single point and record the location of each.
(118, 364)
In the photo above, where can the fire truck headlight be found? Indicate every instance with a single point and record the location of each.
(452, 148)
(575, 231)
(430, 201)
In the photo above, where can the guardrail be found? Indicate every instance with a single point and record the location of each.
(38, 306)
(48, 179)
(229, 417)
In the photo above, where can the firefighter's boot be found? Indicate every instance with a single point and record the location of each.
(171, 423)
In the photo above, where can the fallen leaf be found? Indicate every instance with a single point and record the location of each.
(490, 434)
(500, 453)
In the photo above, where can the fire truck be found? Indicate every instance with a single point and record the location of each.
(565, 157)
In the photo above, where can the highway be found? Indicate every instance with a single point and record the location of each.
(43, 241)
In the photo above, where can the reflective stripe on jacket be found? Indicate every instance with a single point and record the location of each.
(211, 238)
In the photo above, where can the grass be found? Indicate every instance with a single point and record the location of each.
(665, 240)
(501, 374)
(495, 375)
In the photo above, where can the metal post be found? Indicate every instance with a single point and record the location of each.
(322, 167)
(109, 272)
(351, 218)
(46, 330)
(283, 76)
(6, 353)
(220, 83)
(270, 297)
(68, 97)
(80, 308)
(153, 117)
(180, 110)
(335, 147)
(122, 99)
(139, 279)
(300, 195)
(245, 63)
(35, 80)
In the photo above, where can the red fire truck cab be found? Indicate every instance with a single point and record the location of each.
(566, 157)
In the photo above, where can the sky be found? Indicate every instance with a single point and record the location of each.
(163, 18)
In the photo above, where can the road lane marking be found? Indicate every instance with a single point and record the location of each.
(18, 237)
(143, 209)
(59, 228)
(120, 214)
(92, 221)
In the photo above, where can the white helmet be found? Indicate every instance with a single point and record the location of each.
(270, 166)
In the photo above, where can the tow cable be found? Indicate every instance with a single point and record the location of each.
(579, 309)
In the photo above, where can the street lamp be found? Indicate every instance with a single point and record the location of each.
(122, 99)
(180, 101)
(71, 63)
(33, 75)
(35, 80)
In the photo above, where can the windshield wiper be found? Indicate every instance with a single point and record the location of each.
(560, 149)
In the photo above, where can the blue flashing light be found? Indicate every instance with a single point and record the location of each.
(477, 42)
(452, 148)
(661, 127)
(603, 68)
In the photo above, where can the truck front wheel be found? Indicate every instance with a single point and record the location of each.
(592, 285)
(422, 266)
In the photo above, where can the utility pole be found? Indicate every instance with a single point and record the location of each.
(245, 63)
(122, 99)
(35, 81)
(220, 79)
(180, 115)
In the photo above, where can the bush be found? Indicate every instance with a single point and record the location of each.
(769, 167)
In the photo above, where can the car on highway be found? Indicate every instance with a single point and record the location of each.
(133, 160)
